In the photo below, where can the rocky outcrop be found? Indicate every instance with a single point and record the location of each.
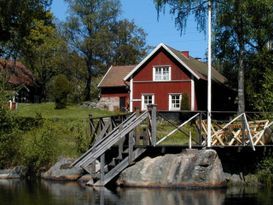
(191, 168)
(62, 171)
(13, 173)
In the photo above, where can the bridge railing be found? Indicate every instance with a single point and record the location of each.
(190, 128)
(228, 129)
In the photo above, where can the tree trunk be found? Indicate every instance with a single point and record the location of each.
(241, 81)
(87, 91)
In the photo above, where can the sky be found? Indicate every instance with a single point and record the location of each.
(161, 30)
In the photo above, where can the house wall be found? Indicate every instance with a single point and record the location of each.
(143, 82)
(110, 98)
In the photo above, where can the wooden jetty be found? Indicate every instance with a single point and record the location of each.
(117, 141)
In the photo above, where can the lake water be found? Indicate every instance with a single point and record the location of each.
(16, 192)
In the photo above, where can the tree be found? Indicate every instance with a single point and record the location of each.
(129, 45)
(243, 28)
(96, 34)
(60, 88)
(45, 53)
(89, 29)
(16, 21)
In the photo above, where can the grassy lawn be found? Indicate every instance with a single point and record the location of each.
(48, 112)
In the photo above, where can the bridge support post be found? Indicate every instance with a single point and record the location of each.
(131, 147)
(102, 164)
(152, 109)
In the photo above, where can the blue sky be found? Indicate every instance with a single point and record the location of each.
(144, 14)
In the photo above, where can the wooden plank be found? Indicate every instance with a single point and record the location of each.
(249, 133)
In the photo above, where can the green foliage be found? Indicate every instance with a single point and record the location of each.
(40, 150)
(265, 171)
(9, 139)
(57, 137)
(60, 88)
(260, 82)
(242, 30)
(16, 21)
(28, 123)
(46, 54)
(185, 105)
(129, 43)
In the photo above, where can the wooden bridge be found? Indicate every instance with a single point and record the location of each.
(119, 140)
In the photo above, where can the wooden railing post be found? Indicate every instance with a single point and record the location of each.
(102, 164)
(131, 147)
(152, 109)
(137, 129)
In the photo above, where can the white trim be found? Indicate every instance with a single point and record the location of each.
(131, 95)
(152, 53)
(162, 66)
(105, 76)
(142, 100)
(136, 100)
(170, 101)
(192, 94)
(167, 81)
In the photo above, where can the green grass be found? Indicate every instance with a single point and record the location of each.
(48, 112)
(177, 138)
(69, 127)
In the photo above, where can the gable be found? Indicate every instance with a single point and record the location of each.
(193, 66)
(161, 58)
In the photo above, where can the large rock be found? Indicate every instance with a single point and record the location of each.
(13, 173)
(62, 171)
(191, 168)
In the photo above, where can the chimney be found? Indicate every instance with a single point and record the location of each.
(186, 53)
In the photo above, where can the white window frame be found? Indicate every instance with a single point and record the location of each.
(143, 104)
(171, 107)
(162, 67)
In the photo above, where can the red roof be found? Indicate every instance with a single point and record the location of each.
(114, 76)
(16, 74)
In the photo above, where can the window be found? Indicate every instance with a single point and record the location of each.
(147, 99)
(175, 101)
(162, 73)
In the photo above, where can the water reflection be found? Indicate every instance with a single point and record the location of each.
(13, 192)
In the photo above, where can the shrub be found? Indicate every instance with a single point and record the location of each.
(59, 89)
(9, 139)
(185, 102)
(40, 148)
(28, 123)
(265, 171)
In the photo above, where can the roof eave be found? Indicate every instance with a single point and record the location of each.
(104, 76)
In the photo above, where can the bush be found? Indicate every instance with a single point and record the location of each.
(265, 171)
(59, 89)
(40, 148)
(9, 139)
(185, 102)
(28, 123)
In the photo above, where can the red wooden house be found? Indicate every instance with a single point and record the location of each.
(165, 77)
